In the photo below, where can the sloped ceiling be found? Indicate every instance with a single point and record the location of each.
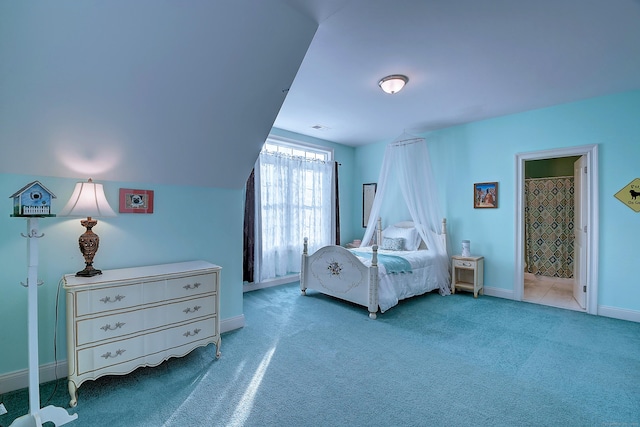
(156, 91)
(185, 92)
(466, 60)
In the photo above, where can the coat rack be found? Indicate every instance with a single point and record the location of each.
(36, 416)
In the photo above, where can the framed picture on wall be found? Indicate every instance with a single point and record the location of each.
(485, 195)
(368, 194)
(136, 201)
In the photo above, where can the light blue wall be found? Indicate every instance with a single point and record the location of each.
(188, 223)
(206, 223)
(485, 151)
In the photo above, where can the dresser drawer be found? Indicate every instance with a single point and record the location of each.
(92, 301)
(464, 263)
(142, 350)
(179, 287)
(97, 329)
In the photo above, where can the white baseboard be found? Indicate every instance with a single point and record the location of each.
(20, 379)
(248, 287)
(227, 325)
(619, 313)
(498, 292)
(604, 311)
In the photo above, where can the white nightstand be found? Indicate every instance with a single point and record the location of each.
(467, 273)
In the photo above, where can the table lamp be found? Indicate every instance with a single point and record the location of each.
(88, 200)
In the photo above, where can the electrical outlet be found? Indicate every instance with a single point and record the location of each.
(3, 410)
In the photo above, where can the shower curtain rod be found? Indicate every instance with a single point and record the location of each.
(549, 177)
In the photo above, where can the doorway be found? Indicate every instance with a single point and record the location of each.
(552, 209)
(584, 284)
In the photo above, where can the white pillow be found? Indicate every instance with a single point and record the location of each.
(404, 224)
(410, 235)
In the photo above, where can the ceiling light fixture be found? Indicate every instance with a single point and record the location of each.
(393, 83)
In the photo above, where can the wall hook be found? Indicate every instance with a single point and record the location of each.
(38, 283)
(32, 234)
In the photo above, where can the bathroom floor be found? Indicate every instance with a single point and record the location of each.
(551, 291)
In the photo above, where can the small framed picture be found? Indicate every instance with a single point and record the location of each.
(485, 195)
(136, 201)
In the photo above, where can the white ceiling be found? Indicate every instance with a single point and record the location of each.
(466, 60)
(185, 93)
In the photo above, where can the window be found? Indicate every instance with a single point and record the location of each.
(296, 150)
(294, 199)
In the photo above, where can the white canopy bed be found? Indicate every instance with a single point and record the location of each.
(408, 258)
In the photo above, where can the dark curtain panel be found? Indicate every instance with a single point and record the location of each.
(249, 229)
(336, 164)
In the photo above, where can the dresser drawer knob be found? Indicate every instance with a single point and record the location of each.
(108, 327)
(115, 299)
(191, 334)
(108, 354)
(196, 285)
(192, 310)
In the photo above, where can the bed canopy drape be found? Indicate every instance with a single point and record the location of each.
(407, 158)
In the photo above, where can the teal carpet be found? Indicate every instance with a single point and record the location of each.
(430, 361)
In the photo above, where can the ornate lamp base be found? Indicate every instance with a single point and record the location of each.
(89, 242)
(88, 271)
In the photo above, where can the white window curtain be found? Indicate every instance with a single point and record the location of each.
(293, 201)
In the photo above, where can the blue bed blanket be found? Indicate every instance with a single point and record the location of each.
(392, 264)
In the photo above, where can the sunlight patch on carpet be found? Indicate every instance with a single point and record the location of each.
(243, 409)
(193, 400)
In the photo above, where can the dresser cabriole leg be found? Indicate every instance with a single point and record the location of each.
(73, 392)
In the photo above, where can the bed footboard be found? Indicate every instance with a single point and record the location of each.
(334, 271)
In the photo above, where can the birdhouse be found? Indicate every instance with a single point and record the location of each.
(34, 199)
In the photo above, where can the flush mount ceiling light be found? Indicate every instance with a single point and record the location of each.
(393, 83)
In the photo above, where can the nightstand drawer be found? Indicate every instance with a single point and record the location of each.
(465, 263)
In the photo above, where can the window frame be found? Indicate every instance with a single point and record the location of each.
(295, 144)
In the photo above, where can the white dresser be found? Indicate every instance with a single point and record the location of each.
(124, 319)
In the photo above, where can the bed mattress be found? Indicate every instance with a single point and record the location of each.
(425, 275)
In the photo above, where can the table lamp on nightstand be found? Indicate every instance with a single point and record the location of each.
(466, 245)
(88, 200)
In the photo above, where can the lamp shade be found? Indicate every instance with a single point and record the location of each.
(393, 84)
(87, 200)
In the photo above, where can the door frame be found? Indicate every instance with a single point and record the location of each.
(591, 154)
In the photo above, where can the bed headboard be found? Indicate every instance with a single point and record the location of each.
(410, 224)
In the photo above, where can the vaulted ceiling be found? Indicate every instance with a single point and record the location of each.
(184, 93)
